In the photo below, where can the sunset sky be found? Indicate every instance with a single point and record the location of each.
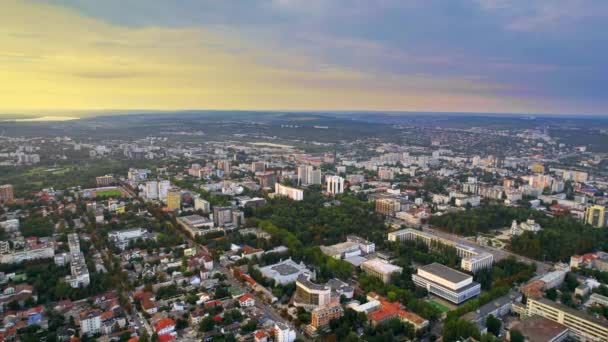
(516, 56)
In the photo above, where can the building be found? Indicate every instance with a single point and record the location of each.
(90, 322)
(446, 283)
(163, 189)
(246, 301)
(529, 226)
(79, 273)
(321, 316)
(285, 272)
(342, 250)
(499, 307)
(597, 299)
(595, 215)
(292, 193)
(40, 251)
(258, 167)
(310, 295)
(388, 206)
(540, 329)
(222, 216)
(104, 180)
(582, 326)
(6, 193)
(283, 333)
(164, 326)
(174, 199)
(365, 246)
(380, 269)
(334, 185)
(387, 311)
(151, 190)
(121, 238)
(201, 204)
(472, 259)
(308, 175)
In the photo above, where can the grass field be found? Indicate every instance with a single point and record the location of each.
(108, 193)
(441, 308)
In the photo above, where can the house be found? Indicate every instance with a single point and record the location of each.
(246, 300)
(164, 326)
(260, 336)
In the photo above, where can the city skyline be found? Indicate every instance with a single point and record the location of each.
(486, 56)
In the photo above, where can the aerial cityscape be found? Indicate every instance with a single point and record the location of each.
(288, 170)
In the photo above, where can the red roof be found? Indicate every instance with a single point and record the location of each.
(164, 323)
(246, 297)
(259, 334)
(166, 337)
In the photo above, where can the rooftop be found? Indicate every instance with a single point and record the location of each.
(540, 329)
(445, 272)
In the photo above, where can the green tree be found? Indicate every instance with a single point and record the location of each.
(493, 324)
(516, 336)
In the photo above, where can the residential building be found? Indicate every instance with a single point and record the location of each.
(246, 301)
(151, 190)
(6, 193)
(446, 283)
(582, 326)
(472, 258)
(595, 215)
(308, 175)
(174, 199)
(388, 206)
(380, 269)
(222, 216)
(365, 246)
(292, 193)
(258, 167)
(90, 322)
(334, 185)
(283, 333)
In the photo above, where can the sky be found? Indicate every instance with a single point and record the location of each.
(493, 56)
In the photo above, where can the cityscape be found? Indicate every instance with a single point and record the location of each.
(303, 171)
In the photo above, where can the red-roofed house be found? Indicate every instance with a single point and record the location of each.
(164, 326)
(246, 300)
(260, 336)
(394, 310)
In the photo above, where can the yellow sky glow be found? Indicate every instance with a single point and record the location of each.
(52, 58)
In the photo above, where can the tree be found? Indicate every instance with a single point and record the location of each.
(516, 336)
(459, 329)
(493, 324)
(207, 324)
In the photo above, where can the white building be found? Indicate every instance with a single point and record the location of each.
(334, 184)
(163, 189)
(285, 272)
(121, 238)
(283, 333)
(292, 193)
(380, 269)
(201, 204)
(446, 283)
(151, 190)
(90, 322)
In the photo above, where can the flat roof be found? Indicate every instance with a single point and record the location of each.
(445, 272)
(537, 328)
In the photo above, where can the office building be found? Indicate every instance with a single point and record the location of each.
(6, 193)
(446, 283)
(292, 193)
(174, 199)
(380, 269)
(583, 327)
(472, 258)
(121, 238)
(321, 316)
(334, 185)
(310, 295)
(595, 215)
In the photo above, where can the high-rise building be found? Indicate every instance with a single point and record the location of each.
(310, 295)
(388, 206)
(222, 216)
(308, 175)
(174, 199)
(151, 190)
(163, 189)
(596, 216)
(6, 193)
(334, 184)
